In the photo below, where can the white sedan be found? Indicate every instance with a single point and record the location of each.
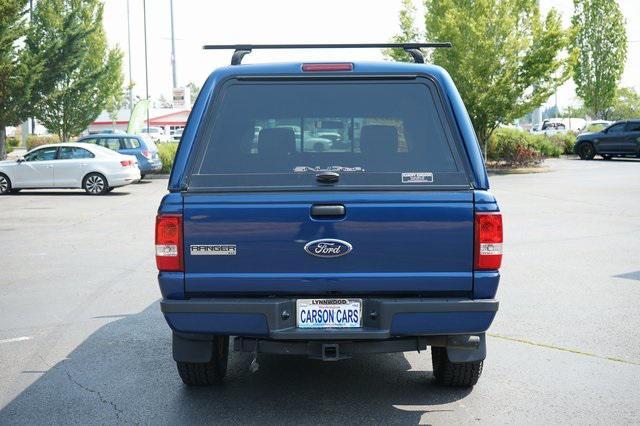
(93, 168)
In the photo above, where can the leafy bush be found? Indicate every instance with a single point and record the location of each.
(565, 141)
(34, 141)
(547, 147)
(515, 148)
(11, 144)
(167, 152)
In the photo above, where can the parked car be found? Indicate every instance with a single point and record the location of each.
(143, 148)
(550, 128)
(107, 132)
(554, 126)
(621, 139)
(596, 126)
(390, 245)
(156, 134)
(177, 134)
(333, 136)
(317, 144)
(69, 165)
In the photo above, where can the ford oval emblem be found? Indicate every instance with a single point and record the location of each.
(328, 247)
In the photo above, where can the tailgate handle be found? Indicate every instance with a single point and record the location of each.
(328, 210)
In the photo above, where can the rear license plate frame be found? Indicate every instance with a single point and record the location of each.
(340, 308)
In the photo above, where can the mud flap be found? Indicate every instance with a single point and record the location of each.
(192, 348)
(466, 348)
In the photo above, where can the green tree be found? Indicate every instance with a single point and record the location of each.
(409, 32)
(83, 75)
(18, 69)
(114, 81)
(506, 58)
(601, 40)
(194, 89)
(625, 105)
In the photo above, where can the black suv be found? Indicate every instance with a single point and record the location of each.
(621, 139)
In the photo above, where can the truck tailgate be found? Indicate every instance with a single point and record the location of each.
(410, 242)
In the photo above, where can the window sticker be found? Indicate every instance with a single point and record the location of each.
(421, 177)
(317, 169)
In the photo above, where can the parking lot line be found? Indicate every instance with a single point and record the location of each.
(560, 348)
(15, 339)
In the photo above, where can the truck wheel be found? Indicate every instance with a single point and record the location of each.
(207, 373)
(586, 151)
(447, 373)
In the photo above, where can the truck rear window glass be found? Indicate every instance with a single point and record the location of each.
(265, 135)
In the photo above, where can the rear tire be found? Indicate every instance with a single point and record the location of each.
(95, 184)
(447, 373)
(207, 373)
(586, 151)
(5, 184)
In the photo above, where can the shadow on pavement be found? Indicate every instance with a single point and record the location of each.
(70, 193)
(629, 276)
(614, 159)
(123, 372)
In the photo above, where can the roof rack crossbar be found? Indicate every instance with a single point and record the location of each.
(413, 49)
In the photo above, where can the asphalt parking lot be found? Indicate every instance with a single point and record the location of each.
(82, 340)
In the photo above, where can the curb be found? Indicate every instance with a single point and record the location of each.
(156, 176)
(518, 171)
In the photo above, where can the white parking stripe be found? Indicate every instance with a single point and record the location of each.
(15, 339)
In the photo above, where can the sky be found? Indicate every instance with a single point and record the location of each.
(199, 22)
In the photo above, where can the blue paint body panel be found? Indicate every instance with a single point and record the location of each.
(417, 243)
(414, 242)
(171, 285)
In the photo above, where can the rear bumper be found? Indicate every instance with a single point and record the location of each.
(383, 318)
(149, 167)
(131, 175)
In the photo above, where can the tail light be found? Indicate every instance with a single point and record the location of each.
(488, 240)
(169, 242)
(327, 67)
(147, 154)
(127, 163)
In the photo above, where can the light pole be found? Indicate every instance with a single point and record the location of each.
(33, 120)
(129, 51)
(146, 60)
(173, 48)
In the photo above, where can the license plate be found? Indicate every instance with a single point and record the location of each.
(329, 313)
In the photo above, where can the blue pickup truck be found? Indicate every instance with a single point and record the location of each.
(328, 210)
